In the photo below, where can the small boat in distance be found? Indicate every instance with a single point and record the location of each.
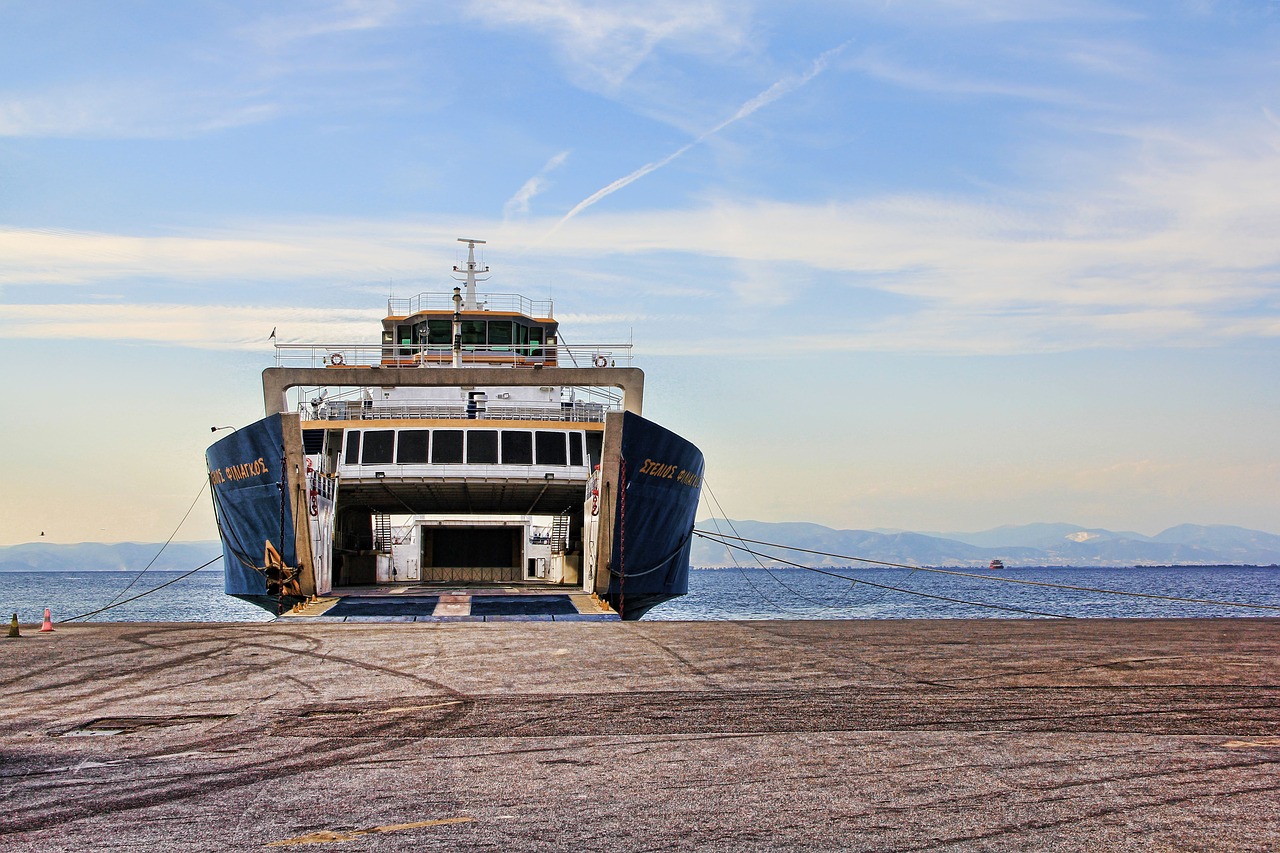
(996, 565)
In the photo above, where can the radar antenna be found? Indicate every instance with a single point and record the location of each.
(471, 274)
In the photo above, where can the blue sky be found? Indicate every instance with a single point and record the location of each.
(937, 266)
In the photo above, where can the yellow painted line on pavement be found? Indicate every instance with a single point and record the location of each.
(328, 836)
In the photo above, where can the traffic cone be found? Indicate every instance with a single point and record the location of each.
(13, 627)
(47, 627)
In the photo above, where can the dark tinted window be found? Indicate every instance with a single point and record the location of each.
(378, 444)
(353, 447)
(472, 332)
(551, 448)
(439, 331)
(499, 332)
(446, 446)
(575, 448)
(482, 446)
(412, 447)
(517, 448)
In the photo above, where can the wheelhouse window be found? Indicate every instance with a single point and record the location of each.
(517, 447)
(575, 448)
(378, 446)
(500, 334)
(439, 332)
(353, 448)
(482, 447)
(411, 449)
(473, 332)
(446, 447)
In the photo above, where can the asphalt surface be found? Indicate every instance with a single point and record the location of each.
(882, 735)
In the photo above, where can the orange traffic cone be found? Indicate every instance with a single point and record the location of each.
(47, 627)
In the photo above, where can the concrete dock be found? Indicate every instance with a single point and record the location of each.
(1080, 735)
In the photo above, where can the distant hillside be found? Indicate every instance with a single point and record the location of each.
(1022, 545)
(102, 557)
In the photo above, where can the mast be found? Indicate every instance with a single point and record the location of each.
(470, 273)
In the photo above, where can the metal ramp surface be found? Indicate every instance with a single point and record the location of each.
(459, 605)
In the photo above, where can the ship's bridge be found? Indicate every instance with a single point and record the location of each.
(504, 328)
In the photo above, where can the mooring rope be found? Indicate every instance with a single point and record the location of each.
(720, 537)
(142, 594)
(893, 588)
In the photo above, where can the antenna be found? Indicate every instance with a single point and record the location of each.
(471, 272)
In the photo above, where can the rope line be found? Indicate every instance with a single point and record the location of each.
(895, 588)
(204, 485)
(714, 520)
(718, 537)
(148, 592)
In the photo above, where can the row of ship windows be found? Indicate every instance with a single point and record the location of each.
(456, 446)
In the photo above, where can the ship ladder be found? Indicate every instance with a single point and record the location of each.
(559, 534)
(382, 533)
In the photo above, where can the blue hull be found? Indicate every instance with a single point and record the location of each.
(657, 504)
(248, 480)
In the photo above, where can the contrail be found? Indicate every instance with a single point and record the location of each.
(768, 96)
(519, 203)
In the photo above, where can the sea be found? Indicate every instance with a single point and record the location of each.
(746, 593)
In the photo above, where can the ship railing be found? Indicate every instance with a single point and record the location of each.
(580, 411)
(511, 302)
(441, 355)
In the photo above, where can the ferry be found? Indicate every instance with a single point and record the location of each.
(468, 452)
(996, 565)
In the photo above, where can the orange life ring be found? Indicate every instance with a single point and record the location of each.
(601, 361)
(336, 358)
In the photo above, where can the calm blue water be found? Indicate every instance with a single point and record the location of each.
(198, 598)
(799, 594)
(725, 594)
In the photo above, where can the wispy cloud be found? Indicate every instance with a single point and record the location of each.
(323, 19)
(768, 96)
(875, 64)
(1168, 246)
(128, 109)
(518, 204)
(605, 43)
(262, 252)
(224, 77)
(201, 327)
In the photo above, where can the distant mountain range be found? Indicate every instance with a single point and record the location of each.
(103, 557)
(1020, 545)
(1016, 545)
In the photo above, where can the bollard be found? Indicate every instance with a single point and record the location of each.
(13, 627)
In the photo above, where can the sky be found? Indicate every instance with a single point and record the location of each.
(937, 266)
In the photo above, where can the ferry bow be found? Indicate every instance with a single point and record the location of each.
(470, 448)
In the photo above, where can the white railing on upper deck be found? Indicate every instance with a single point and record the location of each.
(579, 411)
(542, 308)
(441, 355)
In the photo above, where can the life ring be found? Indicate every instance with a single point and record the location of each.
(336, 358)
(601, 361)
